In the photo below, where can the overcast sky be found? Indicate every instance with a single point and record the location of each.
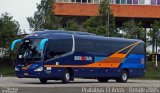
(20, 10)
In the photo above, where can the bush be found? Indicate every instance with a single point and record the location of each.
(6, 67)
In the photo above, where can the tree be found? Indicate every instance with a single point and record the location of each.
(72, 25)
(44, 17)
(8, 30)
(133, 30)
(154, 34)
(94, 25)
(104, 23)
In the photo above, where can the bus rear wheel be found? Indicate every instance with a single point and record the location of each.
(43, 80)
(124, 77)
(102, 79)
(66, 77)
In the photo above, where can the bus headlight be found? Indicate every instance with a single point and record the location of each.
(39, 69)
(16, 69)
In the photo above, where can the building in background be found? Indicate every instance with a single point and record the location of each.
(143, 10)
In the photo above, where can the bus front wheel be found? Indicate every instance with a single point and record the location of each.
(66, 77)
(124, 77)
(43, 80)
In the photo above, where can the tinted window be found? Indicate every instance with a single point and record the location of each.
(117, 1)
(123, 1)
(139, 49)
(158, 2)
(153, 2)
(103, 46)
(106, 46)
(129, 1)
(83, 45)
(135, 1)
(141, 1)
(58, 47)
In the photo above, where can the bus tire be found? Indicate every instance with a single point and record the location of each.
(66, 77)
(43, 80)
(124, 77)
(102, 79)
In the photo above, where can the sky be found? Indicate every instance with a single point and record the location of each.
(20, 10)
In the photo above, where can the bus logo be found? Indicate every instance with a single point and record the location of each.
(83, 58)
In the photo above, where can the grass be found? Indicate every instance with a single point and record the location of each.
(7, 71)
(152, 72)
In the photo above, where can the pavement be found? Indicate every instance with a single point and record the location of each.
(27, 85)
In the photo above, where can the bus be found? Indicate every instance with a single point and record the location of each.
(65, 55)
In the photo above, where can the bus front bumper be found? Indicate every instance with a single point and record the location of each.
(29, 74)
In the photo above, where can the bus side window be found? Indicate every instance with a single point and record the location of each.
(58, 47)
(50, 55)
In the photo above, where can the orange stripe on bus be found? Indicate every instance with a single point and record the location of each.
(118, 55)
(25, 68)
(98, 65)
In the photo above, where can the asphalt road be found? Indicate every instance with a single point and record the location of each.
(17, 85)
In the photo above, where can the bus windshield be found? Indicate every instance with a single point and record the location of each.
(29, 51)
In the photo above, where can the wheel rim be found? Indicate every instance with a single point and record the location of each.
(124, 76)
(67, 76)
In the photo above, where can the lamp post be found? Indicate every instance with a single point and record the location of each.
(108, 21)
(108, 18)
(156, 53)
(156, 43)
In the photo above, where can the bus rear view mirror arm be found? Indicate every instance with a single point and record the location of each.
(42, 44)
(14, 42)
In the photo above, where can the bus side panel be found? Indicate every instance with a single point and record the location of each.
(96, 72)
(136, 72)
(135, 63)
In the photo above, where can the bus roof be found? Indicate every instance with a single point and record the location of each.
(42, 32)
(64, 34)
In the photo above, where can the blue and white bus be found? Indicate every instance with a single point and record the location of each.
(65, 55)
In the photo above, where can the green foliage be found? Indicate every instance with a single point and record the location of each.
(8, 30)
(6, 67)
(72, 25)
(152, 72)
(104, 8)
(154, 34)
(44, 17)
(133, 30)
(104, 24)
(94, 25)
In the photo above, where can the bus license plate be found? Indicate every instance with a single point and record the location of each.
(26, 74)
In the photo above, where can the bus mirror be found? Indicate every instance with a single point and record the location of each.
(42, 44)
(14, 42)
